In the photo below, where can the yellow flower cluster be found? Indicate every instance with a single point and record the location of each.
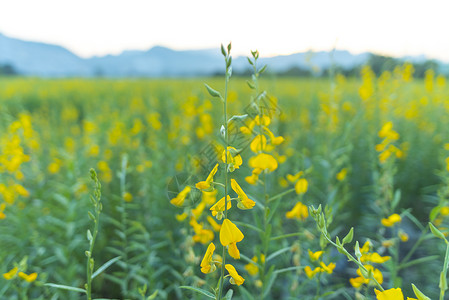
(262, 145)
(366, 258)
(14, 272)
(387, 148)
(14, 142)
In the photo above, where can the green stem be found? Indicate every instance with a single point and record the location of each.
(443, 276)
(280, 195)
(225, 109)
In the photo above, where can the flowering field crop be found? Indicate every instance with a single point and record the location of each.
(185, 205)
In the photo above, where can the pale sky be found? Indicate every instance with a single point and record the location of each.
(99, 27)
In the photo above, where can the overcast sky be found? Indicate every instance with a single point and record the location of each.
(99, 27)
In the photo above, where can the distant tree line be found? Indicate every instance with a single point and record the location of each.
(378, 64)
(8, 70)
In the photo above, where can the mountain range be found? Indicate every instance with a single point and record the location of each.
(47, 60)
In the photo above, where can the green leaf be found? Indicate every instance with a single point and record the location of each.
(198, 290)
(249, 61)
(263, 69)
(228, 295)
(434, 213)
(105, 266)
(153, 296)
(251, 86)
(213, 92)
(223, 51)
(396, 199)
(436, 232)
(419, 294)
(348, 237)
(66, 287)
(358, 254)
(277, 253)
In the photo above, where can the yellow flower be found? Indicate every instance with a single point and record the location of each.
(29, 278)
(315, 255)
(219, 207)
(206, 185)
(258, 144)
(233, 161)
(181, 217)
(374, 258)
(254, 177)
(444, 211)
(299, 211)
(235, 277)
(252, 268)
(2, 208)
(207, 266)
(293, 178)
(358, 281)
(263, 161)
(243, 201)
(11, 274)
(202, 235)
(391, 294)
(209, 197)
(230, 235)
(391, 220)
(274, 140)
(180, 198)
(214, 224)
(342, 174)
(403, 236)
(301, 186)
(328, 269)
(309, 272)
(128, 197)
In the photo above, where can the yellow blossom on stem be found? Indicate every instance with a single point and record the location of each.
(206, 185)
(299, 211)
(294, 178)
(180, 198)
(209, 197)
(243, 201)
(390, 294)
(301, 186)
(342, 174)
(2, 209)
(252, 268)
(274, 140)
(254, 176)
(219, 207)
(263, 161)
(234, 159)
(11, 274)
(230, 235)
(28, 278)
(214, 224)
(315, 255)
(309, 272)
(358, 281)
(235, 277)
(207, 266)
(391, 220)
(258, 144)
(328, 269)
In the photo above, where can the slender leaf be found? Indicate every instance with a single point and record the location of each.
(66, 287)
(105, 266)
(198, 290)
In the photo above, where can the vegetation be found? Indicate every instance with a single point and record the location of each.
(251, 188)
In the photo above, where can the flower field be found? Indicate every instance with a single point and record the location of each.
(249, 188)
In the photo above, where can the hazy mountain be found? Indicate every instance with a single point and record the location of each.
(32, 58)
(40, 59)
